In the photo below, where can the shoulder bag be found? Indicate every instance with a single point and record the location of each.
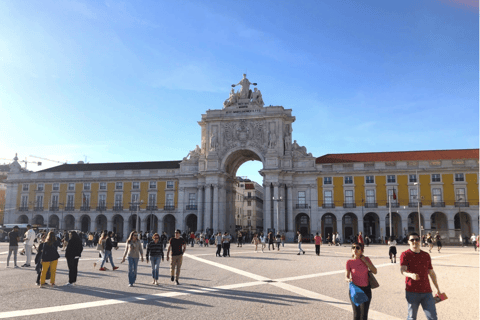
(371, 279)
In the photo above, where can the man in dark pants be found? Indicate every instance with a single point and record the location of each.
(177, 246)
(218, 243)
(72, 254)
(226, 244)
(13, 238)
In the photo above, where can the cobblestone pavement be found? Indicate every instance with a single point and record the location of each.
(246, 285)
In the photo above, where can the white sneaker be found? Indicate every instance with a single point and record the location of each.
(69, 284)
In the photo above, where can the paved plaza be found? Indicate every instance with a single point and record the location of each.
(248, 285)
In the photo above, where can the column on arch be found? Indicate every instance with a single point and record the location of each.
(208, 207)
(181, 209)
(267, 205)
(200, 208)
(110, 224)
(313, 204)
(290, 222)
(126, 228)
(276, 209)
(215, 208)
(223, 216)
(340, 226)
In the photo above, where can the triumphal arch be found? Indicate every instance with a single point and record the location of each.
(244, 129)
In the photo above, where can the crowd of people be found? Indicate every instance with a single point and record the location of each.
(415, 264)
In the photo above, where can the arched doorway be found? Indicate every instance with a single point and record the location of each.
(152, 223)
(329, 225)
(302, 224)
(463, 224)
(38, 221)
(85, 223)
(439, 222)
(101, 223)
(191, 223)
(23, 219)
(169, 224)
(118, 226)
(132, 222)
(350, 225)
(397, 230)
(53, 222)
(371, 226)
(69, 222)
(413, 222)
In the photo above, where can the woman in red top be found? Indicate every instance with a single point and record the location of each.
(357, 272)
(318, 243)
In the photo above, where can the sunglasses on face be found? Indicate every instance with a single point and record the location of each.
(414, 240)
(356, 248)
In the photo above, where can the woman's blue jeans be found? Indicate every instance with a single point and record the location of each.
(155, 266)
(132, 270)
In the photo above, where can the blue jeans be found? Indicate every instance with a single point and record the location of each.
(155, 266)
(300, 247)
(107, 254)
(145, 242)
(426, 300)
(132, 270)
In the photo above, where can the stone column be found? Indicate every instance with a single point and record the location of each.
(160, 226)
(223, 216)
(360, 226)
(215, 224)
(181, 209)
(126, 229)
(110, 224)
(451, 228)
(290, 222)
(383, 232)
(404, 227)
(276, 209)
(78, 223)
(282, 208)
(200, 208)
(208, 207)
(427, 225)
(313, 204)
(267, 213)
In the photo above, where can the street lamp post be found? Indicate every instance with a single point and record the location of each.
(418, 208)
(390, 213)
(277, 200)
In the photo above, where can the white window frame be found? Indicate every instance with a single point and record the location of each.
(370, 194)
(413, 195)
(462, 194)
(87, 186)
(25, 187)
(39, 201)
(170, 184)
(192, 199)
(436, 197)
(368, 181)
(390, 195)
(348, 180)
(330, 197)
(349, 197)
(118, 199)
(410, 176)
(152, 199)
(54, 200)
(118, 186)
(102, 186)
(86, 200)
(70, 201)
(71, 186)
(302, 197)
(327, 180)
(436, 175)
(102, 200)
(56, 187)
(391, 177)
(135, 185)
(169, 200)
(459, 176)
(152, 185)
(24, 201)
(41, 187)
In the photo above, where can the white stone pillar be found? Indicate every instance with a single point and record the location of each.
(290, 223)
(451, 228)
(181, 209)
(224, 220)
(200, 227)
(276, 210)
(208, 207)
(78, 223)
(313, 204)
(340, 227)
(215, 224)
(267, 213)
(360, 226)
(404, 227)
(282, 208)
(126, 229)
(383, 233)
(110, 224)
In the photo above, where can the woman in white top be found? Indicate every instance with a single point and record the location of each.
(101, 248)
(392, 251)
(263, 239)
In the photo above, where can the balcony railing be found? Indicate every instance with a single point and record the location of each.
(462, 204)
(117, 208)
(328, 205)
(349, 205)
(191, 207)
(38, 208)
(371, 205)
(54, 208)
(152, 208)
(169, 207)
(414, 204)
(133, 208)
(438, 204)
(102, 208)
(69, 208)
(85, 208)
(302, 206)
(394, 204)
(23, 209)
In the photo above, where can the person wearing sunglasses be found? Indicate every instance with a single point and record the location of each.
(134, 250)
(155, 253)
(416, 266)
(177, 246)
(357, 272)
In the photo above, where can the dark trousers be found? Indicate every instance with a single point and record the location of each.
(226, 249)
(219, 249)
(361, 312)
(271, 244)
(317, 249)
(72, 269)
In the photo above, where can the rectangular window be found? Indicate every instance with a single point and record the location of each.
(249, 194)
(169, 200)
(390, 193)
(136, 185)
(327, 196)
(249, 213)
(370, 196)
(437, 195)
(302, 197)
(39, 202)
(249, 203)
(40, 187)
(412, 178)
(86, 186)
(370, 179)
(103, 186)
(169, 184)
(24, 202)
(460, 194)
(413, 195)
(152, 185)
(249, 223)
(152, 200)
(71, 187)
(349, 196)
(192, 199)
(118, 200)
(25, 187)
(459, 177)
(327, 180)
(56, 187)
(119, 186)
(348, 180)
(102, 200)
(391, 178)
(70, 201)
(435, 177)
(86, 200)
(55, 200)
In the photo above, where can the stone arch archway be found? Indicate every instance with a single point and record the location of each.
(118, 226)
(151, 222)
(371, 226)
(302, 224)
(169, 224)
(101, 223)
(413, 222)
(23, 219)
(85, 223)
(54, 222)
(69, 222)
(38, 220)
(463, 224)
(329, 225)
(438, 222)
(191, 223)
(397, 230)
(350, 225)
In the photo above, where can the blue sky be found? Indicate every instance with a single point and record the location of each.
(128, 81)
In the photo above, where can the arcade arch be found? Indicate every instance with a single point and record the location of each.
(101, 223)
(85, 223)
(191, 223)
(463, 224)
(396, 225)
(23, 219)
(169, 224)
(69, 222)
(413, 222)
(329, 225)
(350, 225)
(38, 220)
(53, 222)
(439, 221)
(371, 226)
(151, 221)
(118, 225)
(302, 224)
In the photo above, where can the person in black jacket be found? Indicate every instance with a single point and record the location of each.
(108, 252)
(49, 258)
(155, 252)
(38, 259)
(72, 254)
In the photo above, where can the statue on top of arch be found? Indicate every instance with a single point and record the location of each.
(245, 94)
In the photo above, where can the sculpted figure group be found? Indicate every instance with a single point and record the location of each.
(255, 97)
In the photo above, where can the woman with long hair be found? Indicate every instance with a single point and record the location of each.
(72, 254)
(357, 272)
(134, 250)
(155, 252)
(38, 258)
(49, 258)
(101, 249)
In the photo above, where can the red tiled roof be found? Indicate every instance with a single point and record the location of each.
(400, 156)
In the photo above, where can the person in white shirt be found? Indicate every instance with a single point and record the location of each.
(392, 251)
(473, 239)
(29, 239)
(263, 239)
